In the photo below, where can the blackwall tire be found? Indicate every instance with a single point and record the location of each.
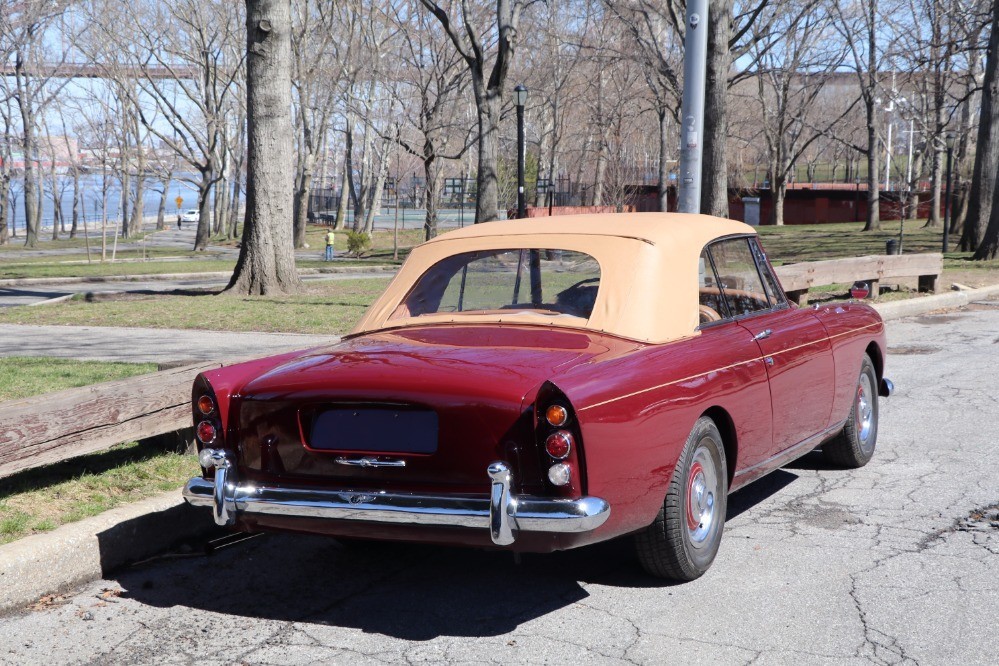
(681, 543)
(854, 447)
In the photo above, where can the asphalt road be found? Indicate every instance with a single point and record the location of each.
(896, 563)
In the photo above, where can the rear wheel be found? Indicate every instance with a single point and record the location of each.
(683, 540)
(854, 447)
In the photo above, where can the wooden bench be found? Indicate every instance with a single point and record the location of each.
(797, 279)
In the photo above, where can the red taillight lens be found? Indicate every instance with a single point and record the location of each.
(206, 432)
(559, 444)
(557, 415)
(205, 405)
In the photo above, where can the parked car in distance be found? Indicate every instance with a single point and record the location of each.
(537, 385)
(190, 215)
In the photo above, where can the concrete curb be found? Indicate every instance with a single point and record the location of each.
(917, 306)
(84, 551)
(333, 270)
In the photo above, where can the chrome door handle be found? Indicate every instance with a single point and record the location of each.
(763, 335)
(370, 462)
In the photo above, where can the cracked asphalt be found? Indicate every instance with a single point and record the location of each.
(895, 563)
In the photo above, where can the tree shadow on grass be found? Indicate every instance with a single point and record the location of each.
(94, 463)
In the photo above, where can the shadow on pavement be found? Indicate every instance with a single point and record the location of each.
(411, 592)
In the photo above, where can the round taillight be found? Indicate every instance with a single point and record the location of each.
(205, 405)
(559, 444)
(560, 474)
(557, 415)
(206, 432)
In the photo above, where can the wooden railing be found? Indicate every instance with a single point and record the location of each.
(57, 426)
(46, 429)
(798, 278)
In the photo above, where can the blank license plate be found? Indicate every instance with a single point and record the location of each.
(375, 430)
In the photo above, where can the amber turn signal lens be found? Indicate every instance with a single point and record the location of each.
(206, 432)
(557, 415)
(205, 405)
(559, 444)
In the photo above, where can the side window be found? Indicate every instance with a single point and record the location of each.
(711, 303)
(769, 279)
(738, 278)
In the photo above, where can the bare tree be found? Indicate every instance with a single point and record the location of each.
(475, 32)
(789, 86)
(266, 263)
(431, 84)
(862, 28)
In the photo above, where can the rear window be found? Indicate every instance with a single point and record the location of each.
(554, 282)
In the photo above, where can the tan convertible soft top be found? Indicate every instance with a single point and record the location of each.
(648, 270)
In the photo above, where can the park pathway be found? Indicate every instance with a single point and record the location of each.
(146, 345)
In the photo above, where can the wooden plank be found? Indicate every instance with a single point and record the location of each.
(797, 277)
(45, 429)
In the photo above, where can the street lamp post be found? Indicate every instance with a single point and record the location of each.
(947, 196)
(520, 98)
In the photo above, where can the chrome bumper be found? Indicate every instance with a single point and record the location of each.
(502, 513)
(886, 388)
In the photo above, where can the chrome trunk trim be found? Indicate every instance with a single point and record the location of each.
(502, 513)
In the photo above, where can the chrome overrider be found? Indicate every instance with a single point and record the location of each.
(502, 513)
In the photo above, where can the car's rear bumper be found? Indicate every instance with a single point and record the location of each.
(502, 513)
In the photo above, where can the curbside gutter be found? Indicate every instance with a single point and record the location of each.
(917, 306)
(88, 550)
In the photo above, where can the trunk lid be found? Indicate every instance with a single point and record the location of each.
(445, 400)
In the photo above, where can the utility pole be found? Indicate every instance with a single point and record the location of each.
(695, 53)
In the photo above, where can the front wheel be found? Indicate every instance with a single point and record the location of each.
(854, 447)
(681, 543)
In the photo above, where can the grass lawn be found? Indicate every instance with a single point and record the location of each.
(42, 499)
(21, 377)
(325, 307)
(39, 500)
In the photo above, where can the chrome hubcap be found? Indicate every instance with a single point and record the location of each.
(864, 411)
(702, 492)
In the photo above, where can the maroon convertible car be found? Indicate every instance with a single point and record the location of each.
(538, 385)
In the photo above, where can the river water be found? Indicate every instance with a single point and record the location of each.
(92, 196)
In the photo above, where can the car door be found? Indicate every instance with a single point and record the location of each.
(793, 342)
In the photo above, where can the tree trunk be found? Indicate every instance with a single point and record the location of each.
(4, 193)
(873, 169)
(663, 176)
(161, 209)
(76, 203)
(204, 231)
(487, 179)
(345, 183)
(378, 187)
(981, 213)
(933, 221)
(714, 164)
(303, 185)
(779, 190)
(430, 175)
(266, 262)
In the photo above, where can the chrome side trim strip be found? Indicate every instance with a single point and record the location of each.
(793, 452)
(502, 513)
